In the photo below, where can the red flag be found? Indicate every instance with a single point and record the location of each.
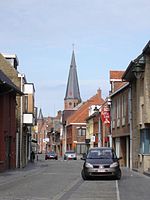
(105, 116)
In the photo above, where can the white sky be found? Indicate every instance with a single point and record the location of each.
(107, 34)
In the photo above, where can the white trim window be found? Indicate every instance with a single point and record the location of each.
(118, 112)
(123, 108)
(113, 114)
(81, 131)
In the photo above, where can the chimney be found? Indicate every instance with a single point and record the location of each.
(99, 93)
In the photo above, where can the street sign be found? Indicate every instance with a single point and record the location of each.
(93, 138)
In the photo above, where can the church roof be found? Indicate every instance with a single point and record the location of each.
(72, 91)
(40, 117)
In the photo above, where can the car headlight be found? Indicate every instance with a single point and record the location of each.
(115, 164)
(88, 165)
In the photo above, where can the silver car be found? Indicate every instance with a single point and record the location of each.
(70, 155)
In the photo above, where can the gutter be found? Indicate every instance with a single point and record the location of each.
(117, 91)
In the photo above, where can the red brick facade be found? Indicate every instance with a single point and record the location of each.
(76, 123)
(7, 131)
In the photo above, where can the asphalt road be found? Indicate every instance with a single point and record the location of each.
(61, 180)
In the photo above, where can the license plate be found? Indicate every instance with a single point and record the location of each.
(101, 170)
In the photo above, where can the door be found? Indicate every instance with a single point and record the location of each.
(8, 140)
(117, 145)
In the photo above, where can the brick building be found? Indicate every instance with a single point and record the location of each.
(8, 92)
(9, 66)
(137, 73)
(76, 125)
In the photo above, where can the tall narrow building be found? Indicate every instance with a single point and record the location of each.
(72, 97)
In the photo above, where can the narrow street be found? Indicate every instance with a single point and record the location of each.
(61, 180)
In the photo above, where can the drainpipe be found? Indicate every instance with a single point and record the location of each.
(65, 138)
(130, 120)
(17, 148)
(99, 131)
(21, 76)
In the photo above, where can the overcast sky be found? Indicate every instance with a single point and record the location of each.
(107, 34)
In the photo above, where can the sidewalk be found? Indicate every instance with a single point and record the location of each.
(11, 175)
(134, 185)
(146, 173)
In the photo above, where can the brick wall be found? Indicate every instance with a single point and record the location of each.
(7, 132)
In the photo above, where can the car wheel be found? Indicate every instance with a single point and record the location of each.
(85, 177)
(118, 176)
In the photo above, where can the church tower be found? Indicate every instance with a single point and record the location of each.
(72, 97)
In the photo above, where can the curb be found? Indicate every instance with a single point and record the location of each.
(146, 173)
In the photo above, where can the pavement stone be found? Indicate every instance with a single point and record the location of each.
(10, 175)
(134, 185)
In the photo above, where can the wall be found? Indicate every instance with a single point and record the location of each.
(7, 132)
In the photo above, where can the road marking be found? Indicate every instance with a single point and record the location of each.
(117, 190)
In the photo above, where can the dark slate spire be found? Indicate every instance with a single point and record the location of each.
(40, 117)
(72, 91)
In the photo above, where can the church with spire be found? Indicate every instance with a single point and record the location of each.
(72, 97)
(76, 112)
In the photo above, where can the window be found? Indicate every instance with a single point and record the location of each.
(145, 141)
(123, 105)
(26, 103)
(118, 108)
(118, 112)
(123, 109)
(81, 132)
(112, 111)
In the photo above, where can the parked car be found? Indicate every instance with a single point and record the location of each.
(101, 162)
(51, 155)
(70, 155)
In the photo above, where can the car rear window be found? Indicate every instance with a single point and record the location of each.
(51, 153)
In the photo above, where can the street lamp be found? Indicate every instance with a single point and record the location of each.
(138, 70)
(138, 67)
(19, 155)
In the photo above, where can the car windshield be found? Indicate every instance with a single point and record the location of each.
(99, 153)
